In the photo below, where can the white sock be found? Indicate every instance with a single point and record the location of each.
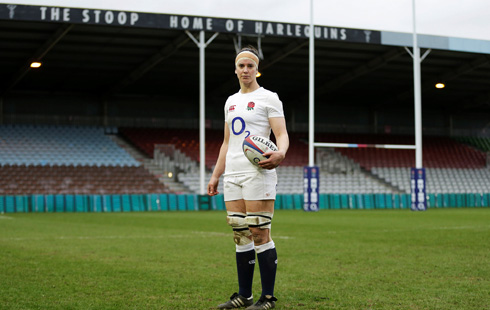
(245, 247)
(264, 247)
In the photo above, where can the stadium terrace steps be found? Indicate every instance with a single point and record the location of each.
(193, 182)
(150, 165)
(185, 140)
(129, 148)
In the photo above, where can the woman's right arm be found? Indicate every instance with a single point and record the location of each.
(219, 169)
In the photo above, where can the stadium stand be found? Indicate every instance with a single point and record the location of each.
(68, 160)
(451, 167)
(440, 180)
(438, 152)
(85, 160)
(60, 145)
(291, 181)
(192, 181)
(481, 143)
(344, 170)
(185, 140)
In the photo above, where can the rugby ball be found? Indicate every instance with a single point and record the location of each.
(255, 146)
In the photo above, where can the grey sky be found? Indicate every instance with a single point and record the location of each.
(453, 18)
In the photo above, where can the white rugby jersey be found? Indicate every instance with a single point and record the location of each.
(248, 114)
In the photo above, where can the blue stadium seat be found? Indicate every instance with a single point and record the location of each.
(61, 145)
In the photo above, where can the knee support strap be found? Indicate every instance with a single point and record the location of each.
(260, 220)
(241, 233)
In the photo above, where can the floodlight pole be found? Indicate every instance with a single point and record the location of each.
(311, 130)
(417, 94)
(202, 44)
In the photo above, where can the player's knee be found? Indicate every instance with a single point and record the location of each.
(261, 220)
(242, 237)
(241, 233)
(260, 225)
(260, 236)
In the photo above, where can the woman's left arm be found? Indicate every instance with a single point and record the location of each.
(278, 125)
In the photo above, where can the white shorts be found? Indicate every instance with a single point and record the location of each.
(250, 186)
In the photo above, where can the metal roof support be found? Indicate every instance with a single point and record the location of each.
(276, 57)
(238, 44)
(259, 47)
(202, 44)
(450, 75)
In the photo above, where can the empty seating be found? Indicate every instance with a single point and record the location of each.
(22, 180)
(68, 160)
(438, 152)
(193, 182)
(83, 160)
(481, 143)
(440, 180)
(187, 141)
(290, 180)
(60, 145)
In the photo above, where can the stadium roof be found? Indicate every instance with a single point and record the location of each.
(148, 59)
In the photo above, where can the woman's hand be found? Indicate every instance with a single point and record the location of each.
(275, 158)
(213, 186)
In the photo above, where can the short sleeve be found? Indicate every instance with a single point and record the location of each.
(274, 106)
(226, 109)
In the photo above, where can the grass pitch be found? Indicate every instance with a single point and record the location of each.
(348, 259)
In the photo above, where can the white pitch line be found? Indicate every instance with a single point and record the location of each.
(193, 233)
(463, 227)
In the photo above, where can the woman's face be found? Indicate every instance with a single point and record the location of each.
(246, 71)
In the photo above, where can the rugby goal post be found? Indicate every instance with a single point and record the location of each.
(311, 178)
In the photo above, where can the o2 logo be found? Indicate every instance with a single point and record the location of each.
(241, 126)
